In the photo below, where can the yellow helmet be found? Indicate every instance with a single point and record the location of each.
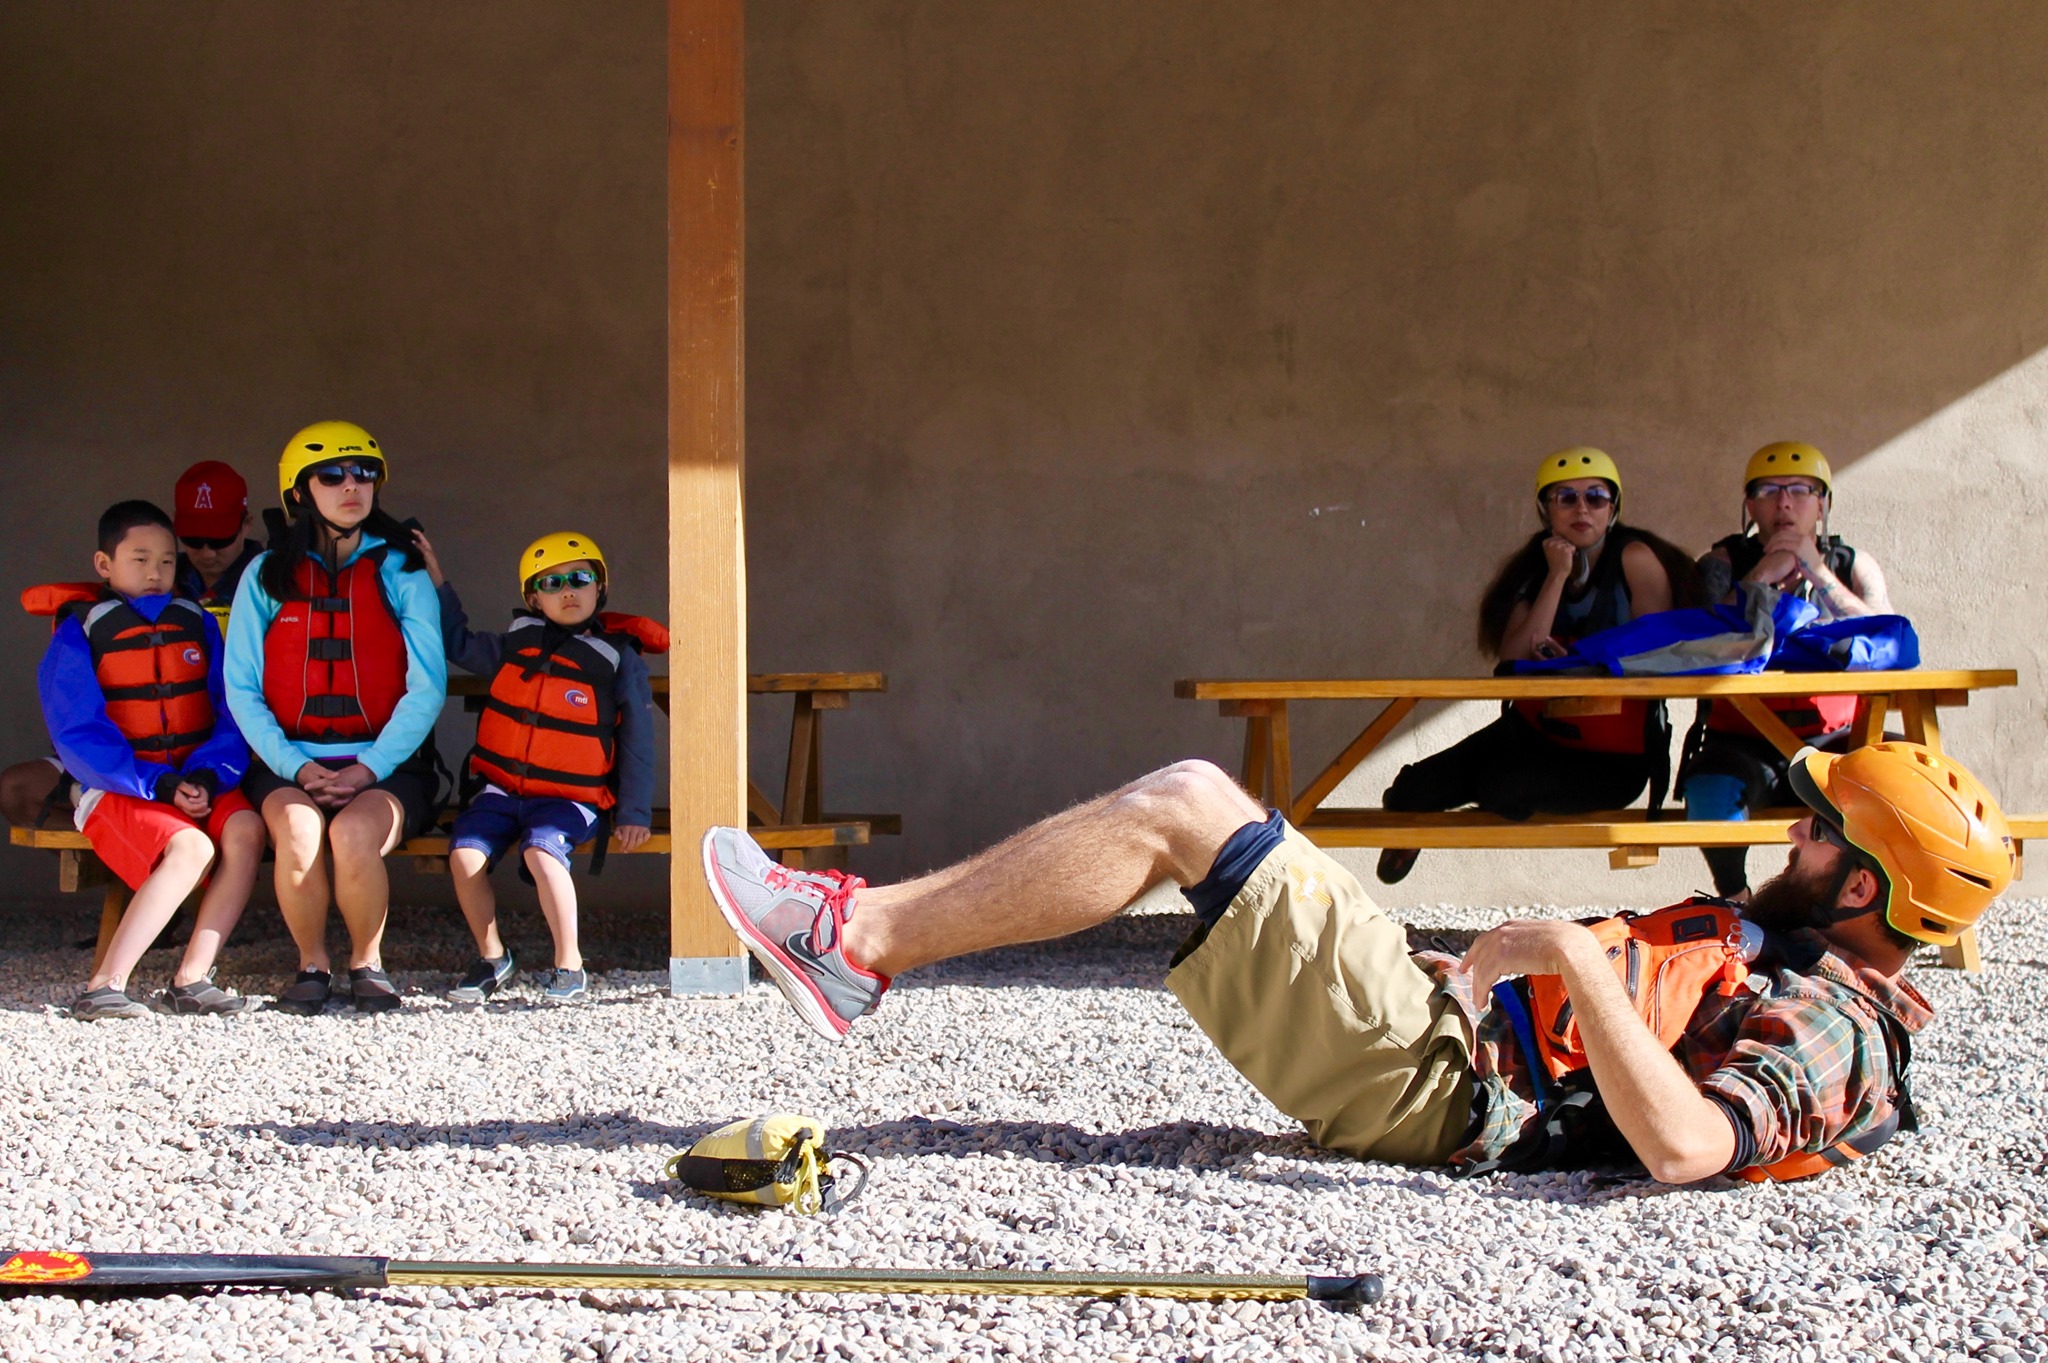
(1580, 461)
(1940, 838)
(323, 442)
(552, 551)
(1782, 458)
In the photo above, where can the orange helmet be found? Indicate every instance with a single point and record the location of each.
(1930, 826)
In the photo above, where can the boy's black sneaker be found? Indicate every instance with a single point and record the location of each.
(485, 978)
(306, 995)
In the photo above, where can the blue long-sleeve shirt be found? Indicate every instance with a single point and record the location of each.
(96, 753)
(411, 595)
(632, 695)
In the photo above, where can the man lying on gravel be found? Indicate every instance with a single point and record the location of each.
(1310, 991)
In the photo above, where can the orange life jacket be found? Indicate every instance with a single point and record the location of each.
(550, 723)
(1805, 716)
(1669, 961)
(152, 674)
(334, 658)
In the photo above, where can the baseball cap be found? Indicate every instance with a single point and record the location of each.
(211, 502)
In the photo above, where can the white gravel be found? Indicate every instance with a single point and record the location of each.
(1034, 1108)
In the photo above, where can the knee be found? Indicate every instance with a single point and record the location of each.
(1188, 810)
(1194, 785)
(467, 862)
(243, 836)
(189, 850)
(298, 830)
(355, 837)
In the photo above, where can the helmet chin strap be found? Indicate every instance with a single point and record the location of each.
(303, 502)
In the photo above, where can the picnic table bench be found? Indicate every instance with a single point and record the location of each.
(813, 831)
(1633, 838)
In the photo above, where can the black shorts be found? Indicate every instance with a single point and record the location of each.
(416, 785)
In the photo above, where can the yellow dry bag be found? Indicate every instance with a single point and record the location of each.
(777, 1160)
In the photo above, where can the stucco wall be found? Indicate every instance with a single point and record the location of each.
(1089, 346)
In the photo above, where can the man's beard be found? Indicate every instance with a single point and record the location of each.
(1795, 899)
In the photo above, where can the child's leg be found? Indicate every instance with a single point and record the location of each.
(471, 869)
(298, 829)
(241, 841)
(184, 861)
(557, 903)
(481, 834)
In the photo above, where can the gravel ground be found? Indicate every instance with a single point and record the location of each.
(1046, 1107)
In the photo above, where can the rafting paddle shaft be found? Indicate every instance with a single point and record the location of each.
(114, 1274)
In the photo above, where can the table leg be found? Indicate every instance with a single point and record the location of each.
(1869, 726)
(1257, 747)
(803, 727)
(1346, 762)
(1283, 759)
(1963, 955)
(112, 907)
(1922, 722)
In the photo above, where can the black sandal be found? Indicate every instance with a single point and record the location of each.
(307, 995)
(373, 989)
(203, 996)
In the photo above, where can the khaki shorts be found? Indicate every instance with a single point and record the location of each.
(1308, 989)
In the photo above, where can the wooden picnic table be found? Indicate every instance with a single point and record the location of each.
(1634, 839)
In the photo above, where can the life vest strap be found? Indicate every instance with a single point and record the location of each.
(590, 728)
(154, 690)
(534, 772)
(330, 650)
(170, 742)
(332, 707)
(329, 605)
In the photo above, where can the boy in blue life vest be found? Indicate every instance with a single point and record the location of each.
(564, 747)
(132, 692)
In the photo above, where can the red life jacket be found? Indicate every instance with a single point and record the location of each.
(334, 658)
(550, 723)
(1805, 716)
(1669, 961)
(152, 675)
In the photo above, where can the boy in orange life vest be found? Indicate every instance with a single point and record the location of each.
(565, 746)
(132, 692)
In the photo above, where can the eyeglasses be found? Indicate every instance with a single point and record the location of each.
(1798, 492)
(334, 475)
(1822, 829)
(204, 542)
(547, 584)
(1595, 498)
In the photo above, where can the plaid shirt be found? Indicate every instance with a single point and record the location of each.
(1802, 1055)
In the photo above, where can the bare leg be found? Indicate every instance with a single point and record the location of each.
(241, 851)
(366, 828)
(298, 829)
(184, 861)
(23, 789)
(479, 902)
(1070, 872)
(558, 903)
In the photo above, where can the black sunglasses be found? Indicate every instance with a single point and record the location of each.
(1569, 497)
(202, 542)
(334, 475)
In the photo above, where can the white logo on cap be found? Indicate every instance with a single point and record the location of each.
(204, 500)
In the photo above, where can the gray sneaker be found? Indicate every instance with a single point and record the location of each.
(485, 978)
(793, 922)
(565, 985)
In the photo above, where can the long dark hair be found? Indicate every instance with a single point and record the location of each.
(1521, 577)
(299, 537)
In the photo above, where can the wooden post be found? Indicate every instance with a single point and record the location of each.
(707, 591)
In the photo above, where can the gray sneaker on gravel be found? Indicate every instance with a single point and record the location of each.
(486, 977)
(793, 923)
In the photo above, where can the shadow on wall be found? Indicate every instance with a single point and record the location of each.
(1089, 346)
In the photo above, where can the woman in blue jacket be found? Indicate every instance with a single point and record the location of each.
(336, 675)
